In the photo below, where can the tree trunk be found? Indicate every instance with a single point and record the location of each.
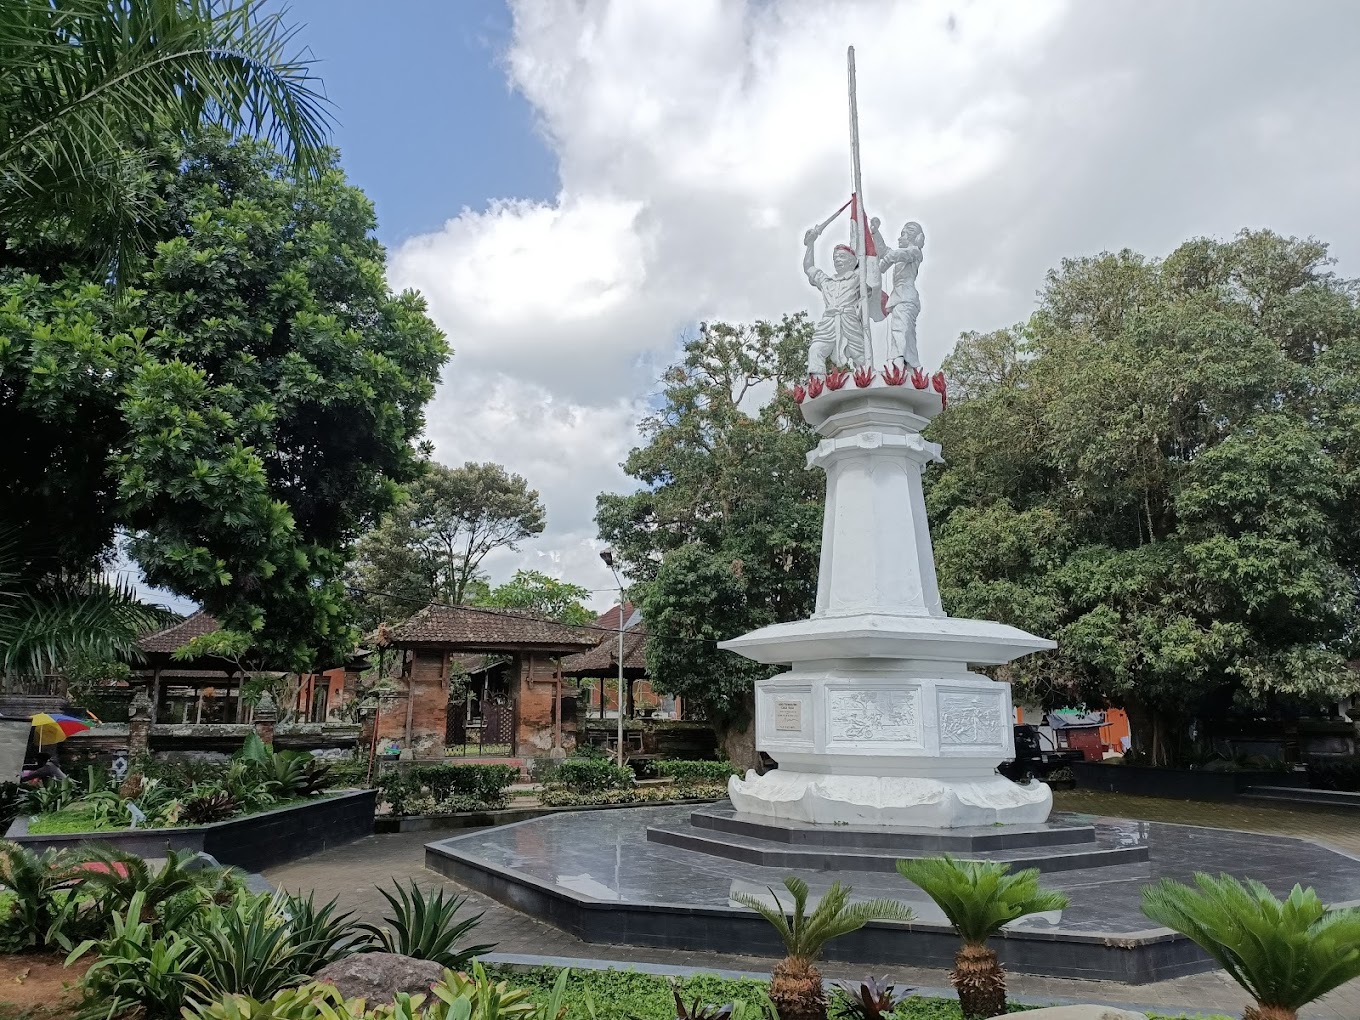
(1260, 1012)
(796, 991)
(980, 982)
(739, 747)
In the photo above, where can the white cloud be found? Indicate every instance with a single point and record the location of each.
(696, 141)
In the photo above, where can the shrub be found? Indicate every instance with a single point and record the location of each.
(463, 787)
(208, 807)
(320, 934)
(248, 948)
(426, 927)
(1285, 954)
(695, 773)
(37, 912)
(590, 775)
(1341, 774)
(544, 770)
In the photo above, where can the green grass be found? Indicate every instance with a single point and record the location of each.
(618, 993)
(80, 818)
(70, 819)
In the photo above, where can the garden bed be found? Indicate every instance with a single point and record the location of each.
(249, 842)
(1179, 784)
(504, 816)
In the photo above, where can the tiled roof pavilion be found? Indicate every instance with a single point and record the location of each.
(474, 629)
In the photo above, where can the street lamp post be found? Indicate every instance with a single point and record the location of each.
(608, 558)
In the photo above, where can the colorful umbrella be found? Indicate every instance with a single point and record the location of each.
(53, 729)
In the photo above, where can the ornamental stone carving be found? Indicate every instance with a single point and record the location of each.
(875, 716)
(970, 719)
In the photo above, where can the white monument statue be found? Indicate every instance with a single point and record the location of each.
(840, 335)
(880, 719)
(904, 303)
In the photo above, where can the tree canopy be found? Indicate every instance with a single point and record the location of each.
(539, 593)
(1161, 470)
(244, 411)
(430, 547)
(725, 533)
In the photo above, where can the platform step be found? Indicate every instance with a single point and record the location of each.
(1293, 795)
(775, 854)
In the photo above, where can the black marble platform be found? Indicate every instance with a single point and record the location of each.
(598, 876)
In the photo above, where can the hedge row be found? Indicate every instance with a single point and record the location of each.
(424, 788)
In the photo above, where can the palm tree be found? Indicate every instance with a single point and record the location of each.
(796, 985)
(1285, 954)
(979, 898)
(46, 621)
(86, 85)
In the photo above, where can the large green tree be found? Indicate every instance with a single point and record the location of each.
(431, 546)
(724, 535)
(244, 411)
(539, 593)
(1161, 469)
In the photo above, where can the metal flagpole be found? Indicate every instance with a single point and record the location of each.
(857, 225)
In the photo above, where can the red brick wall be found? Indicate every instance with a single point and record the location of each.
(428, 685)
(536, 716)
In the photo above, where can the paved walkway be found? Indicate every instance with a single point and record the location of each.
(353, 872)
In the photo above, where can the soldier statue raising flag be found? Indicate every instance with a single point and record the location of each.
(852, 294)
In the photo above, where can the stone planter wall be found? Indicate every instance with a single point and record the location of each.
(1178, 784)
(250, 843)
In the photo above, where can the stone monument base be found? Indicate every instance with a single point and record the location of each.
(890, 800)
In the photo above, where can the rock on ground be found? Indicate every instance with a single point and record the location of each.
(1078, 1013)
(379, 977)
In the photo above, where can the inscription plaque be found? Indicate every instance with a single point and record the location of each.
(788, 716)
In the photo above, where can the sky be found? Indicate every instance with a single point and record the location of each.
(574, 186)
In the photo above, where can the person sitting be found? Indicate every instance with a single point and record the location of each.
(48, 767)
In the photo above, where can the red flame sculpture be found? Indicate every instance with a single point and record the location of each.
(814, 386)
(864, 376)
(894, 375)
(919, 379)
(836, 378)
(799, 394)
(937, 381)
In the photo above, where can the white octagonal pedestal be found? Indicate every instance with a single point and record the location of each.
(879, 721)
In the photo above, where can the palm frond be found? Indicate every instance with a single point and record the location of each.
(1286, 953)
(980, 897)
(804, 935)
(84, 82)
(44, 625)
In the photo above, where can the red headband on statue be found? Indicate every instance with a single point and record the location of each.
(845, 247)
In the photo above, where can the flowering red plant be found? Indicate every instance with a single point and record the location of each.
(919, 379)
(864, 376)
(814, 386)
(937, 380)
(799, 394)
(836, 378)
(894, 375)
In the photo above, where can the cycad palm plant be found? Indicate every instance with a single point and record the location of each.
(1284, 953)
(796, 985)
(980, 898)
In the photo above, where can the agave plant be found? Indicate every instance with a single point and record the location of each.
(980, 898)
(321, 934)
(796, 986)
(427, 927)
(1284, 953)
(871, 999)
(248, 948)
